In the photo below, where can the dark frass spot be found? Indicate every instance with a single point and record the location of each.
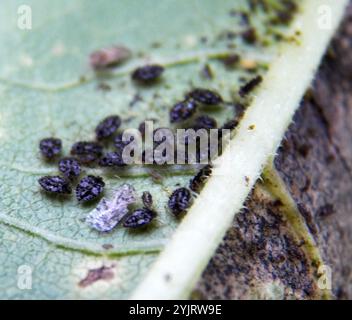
(108, 57)
(87, 151)
(112, 159)
(70, 167)
(147, 74)
(139, 218)
(231, 60)
(205, 96)
(250, 86)
(183, 110)
(107, 127)
(179, 201)
(249, 36)
(89, 188)
(147, 199)
(204, 122)
(326, 211)
(50, 147)
(102, 273)
(136, 98)
(198, 181)
(55, 184)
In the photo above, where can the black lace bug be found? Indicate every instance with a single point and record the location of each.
(107, 127)
(198, 181)
(179, 201)
(55, 184)
(112, 159)
(147, 74)
(70, 167)
(50, 147)
(183, 110)
(249, 86)
(90, 187)
(205, 96)
(205, 122)
(147, 199)
(139, 218)
(87, 151)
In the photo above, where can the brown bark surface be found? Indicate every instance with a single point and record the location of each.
(315, 161)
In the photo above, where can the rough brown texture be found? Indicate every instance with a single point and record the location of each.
(259, 250)
(315, 162)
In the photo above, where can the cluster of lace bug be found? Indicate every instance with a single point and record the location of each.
(91, 187)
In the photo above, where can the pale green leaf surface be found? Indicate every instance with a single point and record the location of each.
(48, 89)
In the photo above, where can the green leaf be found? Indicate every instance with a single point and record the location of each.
(48, 89)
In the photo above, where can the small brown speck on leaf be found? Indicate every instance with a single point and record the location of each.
(103, 86)
(108, 57)
(207, 72)
(94, 275)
